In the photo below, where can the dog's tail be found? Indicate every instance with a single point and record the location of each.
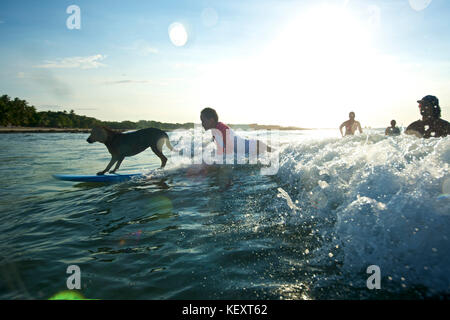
(168, 144)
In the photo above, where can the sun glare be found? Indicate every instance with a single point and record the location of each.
(323, 52)
(323, 59)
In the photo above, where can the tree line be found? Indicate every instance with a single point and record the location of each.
(19, 113)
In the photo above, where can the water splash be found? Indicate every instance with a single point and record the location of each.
(388, 198)
(283, 194)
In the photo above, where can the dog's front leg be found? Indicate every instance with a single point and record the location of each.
(117, 165)
(110, 164)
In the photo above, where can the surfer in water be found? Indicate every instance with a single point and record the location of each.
(431, 124)
(350, 125)
(225, 138)
(392, 130)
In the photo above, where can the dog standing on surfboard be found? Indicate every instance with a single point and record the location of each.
(121, 145)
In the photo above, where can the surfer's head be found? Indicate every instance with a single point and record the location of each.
(209, 118)
(429, 107)
(351, 115)
(393, 123)
(98, 134)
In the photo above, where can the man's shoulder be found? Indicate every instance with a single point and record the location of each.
(444, 127)
(416, 128)
(418, 123)
(444, 122)
(221, 125)
(345, 123)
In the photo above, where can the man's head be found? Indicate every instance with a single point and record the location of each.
(393, 123)
(429, 107)
(209, 118)
(351, 115)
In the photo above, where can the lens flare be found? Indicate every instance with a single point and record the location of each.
(419, 5)
(68, 295)
(178, 34)
(209, 17)
(161, 204)
(318, 200)
(446, 186)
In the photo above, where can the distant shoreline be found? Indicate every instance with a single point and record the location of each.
(83, 130)
(42, 130)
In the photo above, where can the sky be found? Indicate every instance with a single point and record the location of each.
(304, 63)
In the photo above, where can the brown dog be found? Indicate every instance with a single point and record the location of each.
(122, 145)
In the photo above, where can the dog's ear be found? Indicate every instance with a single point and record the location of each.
(107, 129)
(96, 128)
(98, 133)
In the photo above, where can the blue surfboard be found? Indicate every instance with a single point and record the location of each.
(95, 178)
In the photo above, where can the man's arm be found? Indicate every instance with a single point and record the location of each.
(359, 127)
(446, 131)
(340, 128)
(218, 138)
(447, 125)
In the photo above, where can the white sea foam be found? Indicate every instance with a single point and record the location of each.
(384, 201)
(388, 198)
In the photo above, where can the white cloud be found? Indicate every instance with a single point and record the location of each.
(142, 47)
(184, 65)
(148, 50)
(135, 82)
(91, 62)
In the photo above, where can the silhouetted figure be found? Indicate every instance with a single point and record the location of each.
(431, 124)
(350, 125)
(392, 130)
(224, 137)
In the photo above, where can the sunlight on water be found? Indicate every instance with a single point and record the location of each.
(334, 207)
(383, 194)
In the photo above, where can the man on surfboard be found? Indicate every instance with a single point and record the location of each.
(350, 125)
(225, 138)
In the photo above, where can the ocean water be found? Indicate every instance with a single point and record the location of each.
(333, 208)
